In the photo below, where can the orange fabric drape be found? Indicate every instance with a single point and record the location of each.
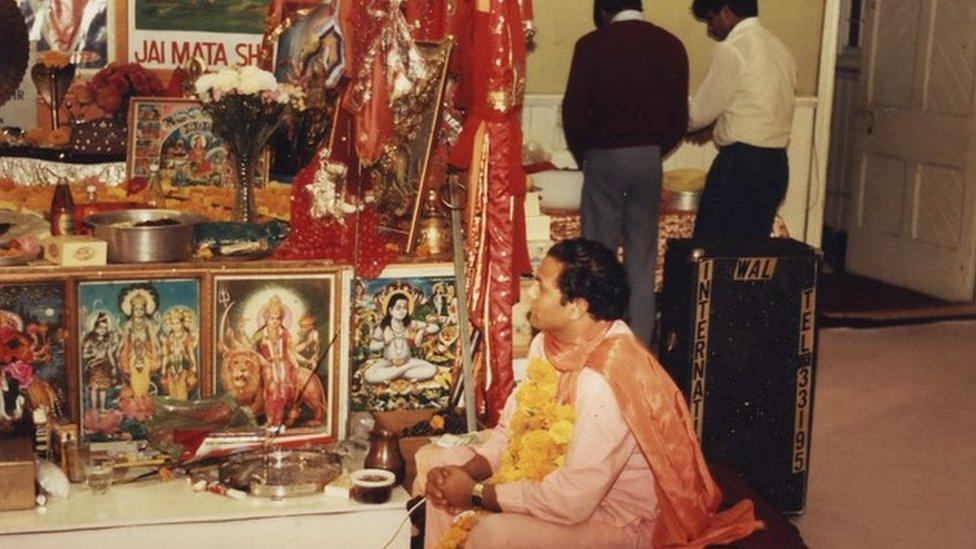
(657, 415)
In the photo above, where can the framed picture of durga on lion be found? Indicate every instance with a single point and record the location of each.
(279, 343)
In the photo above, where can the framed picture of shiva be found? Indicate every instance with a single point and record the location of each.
(136, 339)
(405, 340)
(276, 346)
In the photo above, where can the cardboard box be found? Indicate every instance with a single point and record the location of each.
(75, 250)
(16, 473)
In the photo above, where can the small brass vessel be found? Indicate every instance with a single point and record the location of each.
(434, 237)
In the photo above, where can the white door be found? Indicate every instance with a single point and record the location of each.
(914, 175)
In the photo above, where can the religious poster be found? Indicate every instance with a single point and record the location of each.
(175, 136)
(164, 34)
(136, 340)
(405, 342)
(33, 365)
(84, 29)
(309, 51)
(276, 346)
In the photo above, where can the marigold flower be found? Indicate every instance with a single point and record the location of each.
(55, 59)
(561, 431)
(565, 412)
(541, 371)
(60, 136)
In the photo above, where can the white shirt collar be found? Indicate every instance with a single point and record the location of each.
(628, 15)
(742, 26)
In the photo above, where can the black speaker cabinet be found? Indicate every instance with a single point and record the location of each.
(738, 336)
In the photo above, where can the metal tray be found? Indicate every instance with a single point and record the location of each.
(18, 259)
(280, 473)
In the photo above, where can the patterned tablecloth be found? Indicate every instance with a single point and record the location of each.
(672, 224)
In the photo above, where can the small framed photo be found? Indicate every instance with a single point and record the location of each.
(175, 136)
(279, 344)
(137, 339)
(84, 29)
(34, 353)
(405, 343)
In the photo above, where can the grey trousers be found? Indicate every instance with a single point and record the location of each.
(620, 207)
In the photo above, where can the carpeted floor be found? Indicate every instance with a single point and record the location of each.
(850, 300)
(893, 459)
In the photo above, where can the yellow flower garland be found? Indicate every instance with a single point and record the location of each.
(539, 433)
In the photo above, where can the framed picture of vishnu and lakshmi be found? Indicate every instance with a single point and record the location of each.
(137, 339)
(405, 341)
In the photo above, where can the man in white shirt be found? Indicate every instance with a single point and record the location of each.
(746, 104)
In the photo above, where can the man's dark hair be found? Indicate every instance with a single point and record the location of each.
(705, 9)
(614, 6)
(593, 273)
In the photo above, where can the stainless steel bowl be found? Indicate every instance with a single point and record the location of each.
(683, 201)
(128, 243)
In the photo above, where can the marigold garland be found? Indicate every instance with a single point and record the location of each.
(539, 433)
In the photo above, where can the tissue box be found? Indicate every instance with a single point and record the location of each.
(75, 250)
(16, 474)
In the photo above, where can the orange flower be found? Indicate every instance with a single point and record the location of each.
(55, 59)
(36, 136)
(60, 136)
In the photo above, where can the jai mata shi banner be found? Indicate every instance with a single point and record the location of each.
(164, 34)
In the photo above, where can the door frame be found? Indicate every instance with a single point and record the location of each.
(817, 198)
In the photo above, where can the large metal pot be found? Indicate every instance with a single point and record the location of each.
(131, 242)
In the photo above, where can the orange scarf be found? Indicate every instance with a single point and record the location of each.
(657, 415)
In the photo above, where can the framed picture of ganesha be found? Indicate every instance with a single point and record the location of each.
(34, 334)
(405, 343)
(137, 339)
(277, 340)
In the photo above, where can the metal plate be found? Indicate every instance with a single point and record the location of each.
(22, 225)
(14, 49)
(19, 259)
(281, 473)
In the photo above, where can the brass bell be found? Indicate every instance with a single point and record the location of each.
(434, 231)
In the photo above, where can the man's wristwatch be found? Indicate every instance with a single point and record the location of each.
(477, 495)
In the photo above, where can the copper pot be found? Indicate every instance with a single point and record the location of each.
(384, 452)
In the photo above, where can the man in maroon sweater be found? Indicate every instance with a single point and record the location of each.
(625, 108)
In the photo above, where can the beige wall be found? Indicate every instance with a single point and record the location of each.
(560, 22)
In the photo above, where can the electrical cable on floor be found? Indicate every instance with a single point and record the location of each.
(402, 521)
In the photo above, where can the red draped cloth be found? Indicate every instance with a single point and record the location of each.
(490, 54)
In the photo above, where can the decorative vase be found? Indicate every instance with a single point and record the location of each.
(52, 84)
(245, 166)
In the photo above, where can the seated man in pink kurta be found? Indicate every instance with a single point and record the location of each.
(633, 474)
